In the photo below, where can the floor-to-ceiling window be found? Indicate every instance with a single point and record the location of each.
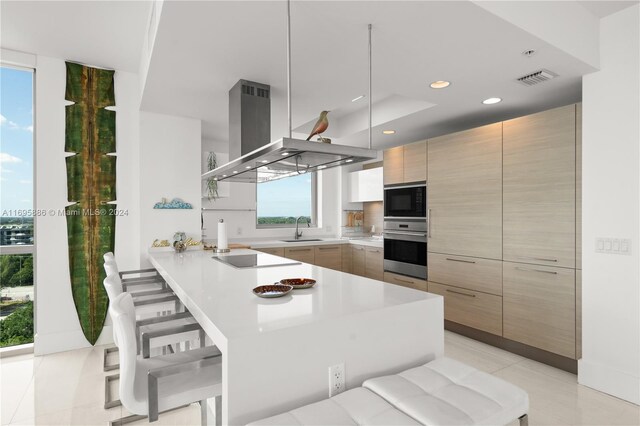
(16, 206)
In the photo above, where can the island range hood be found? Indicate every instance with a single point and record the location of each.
(253, 158)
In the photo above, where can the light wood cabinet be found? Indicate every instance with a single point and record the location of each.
(472, 273)
(404, 164)
(358, 260)
(373, 263)
(346, 258)
(393, 169)
(539, 188)
(465, 192)
(578, 314)
(329, 256)
(301, 254)
(579, 186)
(276, 251)
(471, 308)
(539, 307)
(415, 162)
(405, 281)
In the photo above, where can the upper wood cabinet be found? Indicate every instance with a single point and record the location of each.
(404, 164)
(393, 165)
(415, 162)
(465, 192)
(539, 185)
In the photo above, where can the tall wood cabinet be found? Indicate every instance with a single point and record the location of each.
(465, 193)
(405, 164)
(539, 188)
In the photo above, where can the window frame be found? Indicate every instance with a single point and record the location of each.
(314, 208)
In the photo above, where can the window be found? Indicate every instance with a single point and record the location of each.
(280, 202)
(16, 206)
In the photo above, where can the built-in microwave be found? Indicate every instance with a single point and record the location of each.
(405, 201)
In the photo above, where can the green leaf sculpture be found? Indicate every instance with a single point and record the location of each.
(91, 183)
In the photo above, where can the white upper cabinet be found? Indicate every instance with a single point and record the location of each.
(365, 185)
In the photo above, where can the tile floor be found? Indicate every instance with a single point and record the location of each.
(68, 388)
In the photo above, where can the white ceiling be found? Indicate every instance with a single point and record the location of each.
(605, 8)
(103, 33)
(203, 48)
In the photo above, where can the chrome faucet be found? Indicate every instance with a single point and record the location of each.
(299, 234)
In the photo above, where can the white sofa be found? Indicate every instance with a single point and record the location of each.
(441, 392)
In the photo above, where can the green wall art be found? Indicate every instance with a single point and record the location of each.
(91, 183)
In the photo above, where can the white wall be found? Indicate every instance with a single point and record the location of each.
(169, 168)
(611, 193)
(57, 326)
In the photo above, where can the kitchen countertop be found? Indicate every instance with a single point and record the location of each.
(272, 242)
(284, 346)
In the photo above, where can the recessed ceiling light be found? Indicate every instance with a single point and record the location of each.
(389, 132)
(264, 161)
(285, 153)
(529, 53)
(349, 160)
(224, 175)
(235, 171)
(322, 167)
(357, 99)
(247, 167)
(440, 84)
(492, 101)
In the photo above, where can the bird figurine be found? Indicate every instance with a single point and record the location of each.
(321, 125)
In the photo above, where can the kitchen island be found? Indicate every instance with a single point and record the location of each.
(276, 352)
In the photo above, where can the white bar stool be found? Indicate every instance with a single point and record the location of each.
(149, 386)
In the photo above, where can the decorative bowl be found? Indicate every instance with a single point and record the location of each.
(298, 283)
(273, 290)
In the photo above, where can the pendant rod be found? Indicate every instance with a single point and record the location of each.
(289, 66)
(370, 120)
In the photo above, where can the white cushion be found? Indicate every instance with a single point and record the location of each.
(448, 392)
(357, 406)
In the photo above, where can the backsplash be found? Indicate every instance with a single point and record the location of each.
(373, 216)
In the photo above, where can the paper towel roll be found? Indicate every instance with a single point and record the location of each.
(222, 235)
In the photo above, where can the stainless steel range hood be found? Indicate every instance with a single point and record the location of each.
(254, 159)
(288, 157)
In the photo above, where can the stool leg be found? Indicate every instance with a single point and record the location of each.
(217, 400)
(203, 412)
(524, 420)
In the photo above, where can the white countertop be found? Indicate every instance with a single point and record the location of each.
(271, 242)
(224, 295)
(284, 346)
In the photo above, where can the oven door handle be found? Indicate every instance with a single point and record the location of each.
(413, 234)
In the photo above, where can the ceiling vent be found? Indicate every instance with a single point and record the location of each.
(537, 77)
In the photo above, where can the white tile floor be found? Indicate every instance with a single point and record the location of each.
(68, 388)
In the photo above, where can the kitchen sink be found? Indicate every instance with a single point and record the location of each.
(301, 240)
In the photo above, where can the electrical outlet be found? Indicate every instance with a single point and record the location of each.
(336, 380)
(238, 231)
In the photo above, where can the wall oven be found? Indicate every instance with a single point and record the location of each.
(405, 247)
(405, 201)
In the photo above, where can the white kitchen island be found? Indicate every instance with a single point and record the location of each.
(276, 352)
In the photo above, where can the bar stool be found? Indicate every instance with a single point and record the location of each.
(151, 333)
(152, 299)
(149, 386)
(145, 279)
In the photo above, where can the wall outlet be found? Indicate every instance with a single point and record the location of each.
(238, 231)
(336, 380)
